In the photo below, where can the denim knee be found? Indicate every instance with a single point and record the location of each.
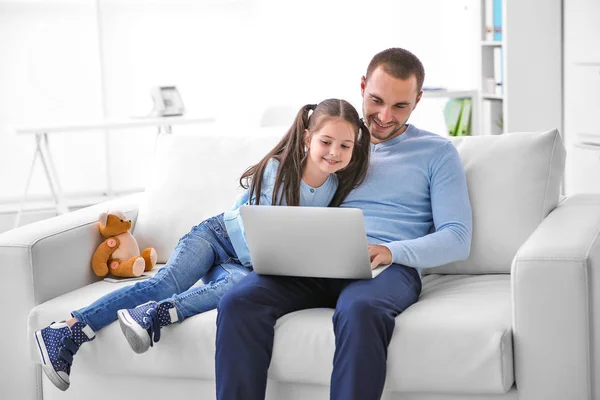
(230, 303)
(233, 306)
(360, 312)
(163, 284)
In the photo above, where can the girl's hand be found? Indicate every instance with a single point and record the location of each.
(380, 255)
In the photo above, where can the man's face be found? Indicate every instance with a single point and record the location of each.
(387, 104)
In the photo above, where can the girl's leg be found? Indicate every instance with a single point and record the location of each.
(199, 299)
(142, 325)
(195, 254)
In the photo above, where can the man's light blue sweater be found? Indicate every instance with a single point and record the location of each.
(415, 200)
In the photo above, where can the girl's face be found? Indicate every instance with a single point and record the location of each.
(330, 147)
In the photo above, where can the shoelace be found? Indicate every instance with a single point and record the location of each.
(154, 329)
(67, 350)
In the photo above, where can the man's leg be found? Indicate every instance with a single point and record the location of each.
(363, 322)
(246, 317)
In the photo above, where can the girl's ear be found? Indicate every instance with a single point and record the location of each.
(307, 136)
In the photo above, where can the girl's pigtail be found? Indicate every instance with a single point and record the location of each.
(361, 152)
(364, 138)
(291, 160)
(290, 153)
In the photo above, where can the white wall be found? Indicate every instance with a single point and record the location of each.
(229, 58)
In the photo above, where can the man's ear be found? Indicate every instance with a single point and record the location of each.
(418, 99)
(363, 85)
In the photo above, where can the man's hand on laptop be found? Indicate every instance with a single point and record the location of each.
(380, 255)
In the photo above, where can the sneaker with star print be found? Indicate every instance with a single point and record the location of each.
(57, 344)
(141, 325)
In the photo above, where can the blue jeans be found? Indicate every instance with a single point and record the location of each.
(204, 253)
(363, 323)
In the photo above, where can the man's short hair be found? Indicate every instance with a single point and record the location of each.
(399, 63)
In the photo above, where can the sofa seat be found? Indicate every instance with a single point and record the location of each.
(456, 339)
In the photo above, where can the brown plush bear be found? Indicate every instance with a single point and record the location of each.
(119, 254)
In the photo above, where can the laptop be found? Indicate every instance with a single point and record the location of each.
(321, 242)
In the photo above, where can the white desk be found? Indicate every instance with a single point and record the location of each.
(43, 150)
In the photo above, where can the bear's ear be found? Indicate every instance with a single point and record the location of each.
(103, 219)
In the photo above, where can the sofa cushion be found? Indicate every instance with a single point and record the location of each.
(194, 177)
(456, 339)
(514, 182)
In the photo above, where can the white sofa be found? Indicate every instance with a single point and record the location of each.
(520, 318)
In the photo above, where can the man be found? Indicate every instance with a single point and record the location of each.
(417, 214)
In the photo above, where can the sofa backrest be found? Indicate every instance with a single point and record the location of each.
(513, 179)
(514, 182)
(194, 177)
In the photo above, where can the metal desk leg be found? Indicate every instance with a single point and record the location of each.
(168, 131)
(35, 154)
(52, 176)
(166, 128)
(42, 148)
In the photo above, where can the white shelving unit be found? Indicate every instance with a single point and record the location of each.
(492, 97)
(531, 98)
(491, 43)
(492, 107)
(582, 95)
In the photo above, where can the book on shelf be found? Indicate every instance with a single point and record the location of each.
(491, 115)
(497, 19)
(498, 71)
(452, 110)
(457, 115)
(488, 20)
(464, 126)
(486, 117)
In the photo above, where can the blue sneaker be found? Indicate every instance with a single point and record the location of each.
(141, 325)
(57, 344)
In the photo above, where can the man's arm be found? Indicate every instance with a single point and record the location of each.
(452, 218)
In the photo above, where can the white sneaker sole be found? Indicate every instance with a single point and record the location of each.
(49, 370)
(138, 337)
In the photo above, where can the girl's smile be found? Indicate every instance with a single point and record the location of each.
(329, 150)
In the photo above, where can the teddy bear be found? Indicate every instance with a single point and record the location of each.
(119, 254)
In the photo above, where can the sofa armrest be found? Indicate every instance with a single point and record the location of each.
(53, 256)
(38, 262)
(556, 304)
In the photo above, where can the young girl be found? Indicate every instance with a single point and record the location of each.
(322, 157)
